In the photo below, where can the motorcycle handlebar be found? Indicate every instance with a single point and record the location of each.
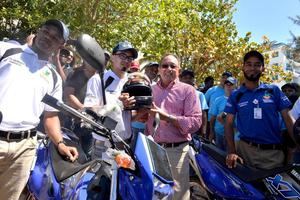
(53, 102)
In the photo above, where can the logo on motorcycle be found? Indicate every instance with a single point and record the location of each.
(283, 187)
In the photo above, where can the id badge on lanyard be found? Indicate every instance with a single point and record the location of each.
(257, 111)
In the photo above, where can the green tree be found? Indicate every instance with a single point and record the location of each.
(202, 33)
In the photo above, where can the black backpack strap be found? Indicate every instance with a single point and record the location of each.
(10, 52)
(108, 81)
(54, 76)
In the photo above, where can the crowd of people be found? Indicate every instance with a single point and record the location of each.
(249, 120)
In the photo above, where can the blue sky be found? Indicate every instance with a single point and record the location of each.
(267, 17)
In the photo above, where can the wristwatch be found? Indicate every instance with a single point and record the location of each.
(224, 114)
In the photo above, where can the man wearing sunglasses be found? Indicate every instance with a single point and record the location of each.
(179, 109)
(122, 56)
(25, 78)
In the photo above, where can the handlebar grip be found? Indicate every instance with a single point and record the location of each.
(51, 101)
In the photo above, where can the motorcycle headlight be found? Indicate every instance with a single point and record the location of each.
(161, 190)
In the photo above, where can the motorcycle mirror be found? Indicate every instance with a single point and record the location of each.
(90, 51)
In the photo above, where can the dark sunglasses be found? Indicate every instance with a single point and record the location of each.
(166, 66)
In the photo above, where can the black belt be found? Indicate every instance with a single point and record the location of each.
(11, 135)
(171, 145)
(265, 146)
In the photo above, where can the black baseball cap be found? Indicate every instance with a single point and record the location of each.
(125, 46)
(152, 64)
(61, 27)
(187, 72)
(227, 73)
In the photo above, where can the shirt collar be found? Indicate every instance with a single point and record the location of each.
(261, 86)
(170, 84)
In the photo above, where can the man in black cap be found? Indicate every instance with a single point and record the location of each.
(291, 90)
(26, 77)
(114, 79)
(188, 76)
(151, 70)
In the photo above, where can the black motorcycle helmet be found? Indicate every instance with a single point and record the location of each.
(138, 85)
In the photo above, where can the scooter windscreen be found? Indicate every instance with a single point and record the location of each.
(89, 49)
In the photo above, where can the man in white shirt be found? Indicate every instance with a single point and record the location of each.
(26, 77)
(122, 56)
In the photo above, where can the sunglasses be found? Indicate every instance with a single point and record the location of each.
(166, 66)
(229, 84)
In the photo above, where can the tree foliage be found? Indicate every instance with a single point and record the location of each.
(202, 33)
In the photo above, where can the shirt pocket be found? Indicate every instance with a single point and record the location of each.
(177, 106)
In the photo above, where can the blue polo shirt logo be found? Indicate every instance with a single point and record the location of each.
(242, 104)
(267, 97)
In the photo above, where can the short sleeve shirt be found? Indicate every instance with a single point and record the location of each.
(203, 102)
(216, 109)
(24, 81)
(94, 98)
(270, 101)
(78, 81)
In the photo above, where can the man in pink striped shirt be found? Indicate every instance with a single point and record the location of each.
(180, 114)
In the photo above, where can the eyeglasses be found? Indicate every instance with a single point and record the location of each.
(123, 56)
(166, 66)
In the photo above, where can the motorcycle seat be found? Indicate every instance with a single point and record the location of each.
(63, 168)
(244, 172)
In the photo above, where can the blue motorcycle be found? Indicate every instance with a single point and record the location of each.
(54, 177)
(216, 181)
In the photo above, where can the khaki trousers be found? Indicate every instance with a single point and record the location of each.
(263, 159)
(179, 161)
(16, 159)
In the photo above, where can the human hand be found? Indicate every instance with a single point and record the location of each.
(211, 136)
(221, 118)
(70, 152)
(128, 102)
(142, 114)
(231, 160)
(162, 114)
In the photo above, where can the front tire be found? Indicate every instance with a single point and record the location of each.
(197, 191)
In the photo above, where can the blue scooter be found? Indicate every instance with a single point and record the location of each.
(216, 181)
(53, 177)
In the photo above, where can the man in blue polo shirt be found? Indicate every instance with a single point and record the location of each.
(257, 107)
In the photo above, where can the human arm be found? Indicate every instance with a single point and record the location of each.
(212, 128)
(203, 127)
(59, 67)
(288, 122)
(52, 128)
(232, 157)
(71, 99)
(184, 113)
